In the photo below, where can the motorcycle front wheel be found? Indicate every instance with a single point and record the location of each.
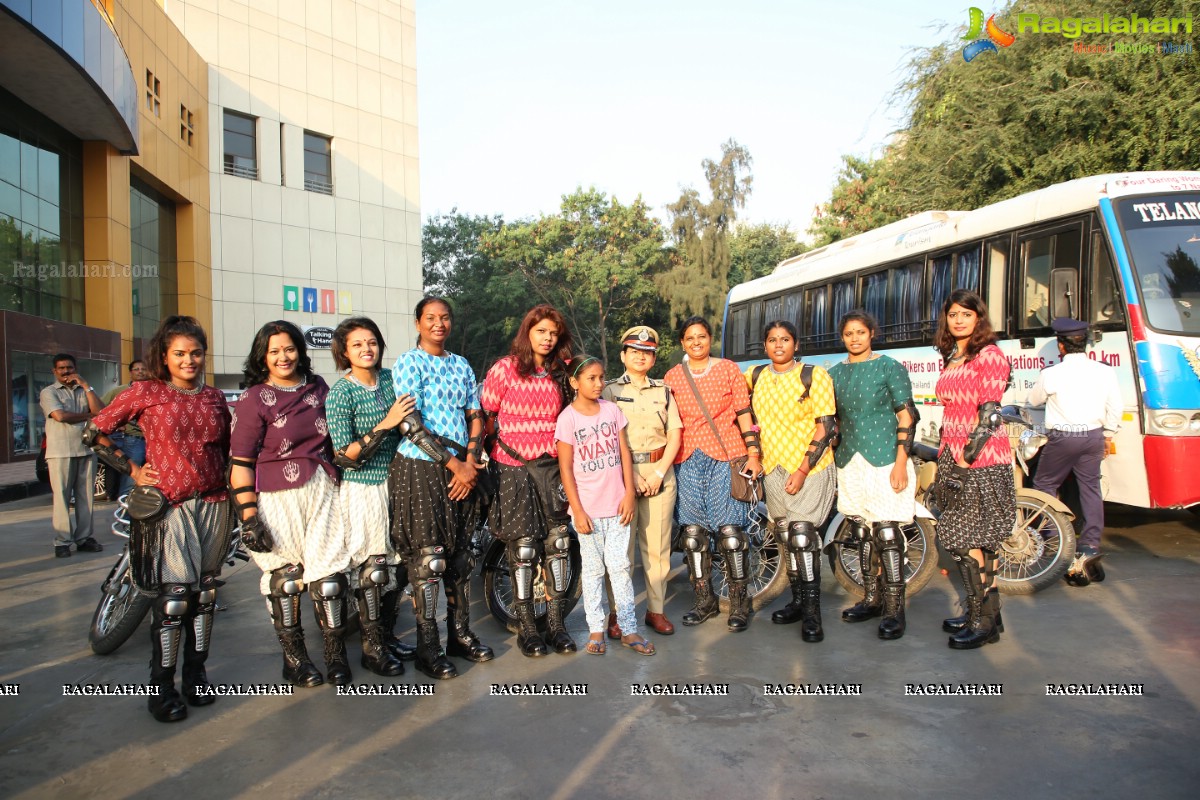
(1039, 551)
(920, 557)
(498, 586)
(122, 609)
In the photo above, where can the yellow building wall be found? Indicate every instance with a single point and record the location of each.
(166, 160)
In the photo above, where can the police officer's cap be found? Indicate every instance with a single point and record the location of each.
(641, 337)
(1065, 326)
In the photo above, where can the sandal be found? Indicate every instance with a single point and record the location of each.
(640, 646)
(596, 647)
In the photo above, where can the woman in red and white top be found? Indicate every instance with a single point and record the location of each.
(179, 554)
(522, 396)
(975, 485)
(704, 506)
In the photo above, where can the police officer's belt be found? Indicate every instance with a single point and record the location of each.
(648, 457)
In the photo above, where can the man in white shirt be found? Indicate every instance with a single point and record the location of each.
(1083, 409)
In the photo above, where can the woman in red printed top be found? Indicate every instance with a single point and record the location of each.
(975, 485)
(522, 396)
(704, 507)
(285, 487)
(178, 555)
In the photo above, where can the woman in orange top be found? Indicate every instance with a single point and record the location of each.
(704, 507)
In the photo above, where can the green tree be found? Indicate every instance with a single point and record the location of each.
(698, 279)
(595, 261)
(1026, 117)
(755, 250)
(487, 298)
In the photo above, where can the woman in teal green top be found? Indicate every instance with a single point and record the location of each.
(362, 412)
(876, 483)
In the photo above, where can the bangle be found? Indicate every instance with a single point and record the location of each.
(661, 475)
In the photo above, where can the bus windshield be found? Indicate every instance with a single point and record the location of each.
(1163, 236)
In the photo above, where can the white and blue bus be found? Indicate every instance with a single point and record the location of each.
(1120, 251)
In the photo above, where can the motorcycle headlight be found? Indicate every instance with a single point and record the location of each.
(1031, 442)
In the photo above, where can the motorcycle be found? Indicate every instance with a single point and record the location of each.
(768, 572)
(489, 553)
(122, 605)
(1035, 555)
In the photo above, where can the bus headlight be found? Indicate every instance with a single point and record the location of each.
(1173, 422)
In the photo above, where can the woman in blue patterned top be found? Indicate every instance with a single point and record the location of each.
(363, 412)
(432, 482)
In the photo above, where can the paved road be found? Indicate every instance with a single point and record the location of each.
(1140, 627)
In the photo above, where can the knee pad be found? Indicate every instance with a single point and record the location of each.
(207, 595)
(859, 530)
(174, 601)
(331, 587)
(287, 581)
(202, 619)
(803, 549)
(695, 539)
(733, 539)
(373, 574)
(558, 541)
(170, 607)
(429, 564)
(889, 538)
(522, 554)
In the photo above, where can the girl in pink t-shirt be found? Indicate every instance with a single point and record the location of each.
(597, 475)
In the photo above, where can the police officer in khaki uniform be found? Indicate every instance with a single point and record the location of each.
(655, 432)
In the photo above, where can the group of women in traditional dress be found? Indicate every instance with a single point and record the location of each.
(377, 482)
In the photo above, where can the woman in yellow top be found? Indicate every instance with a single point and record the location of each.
(794, 406)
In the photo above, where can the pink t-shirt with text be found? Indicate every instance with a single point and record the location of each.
(597, 466)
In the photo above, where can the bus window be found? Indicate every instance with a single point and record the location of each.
(816, 316)
(997, 276)
(791, 310)
(753, 335)
(939, 283)
(1042, 255)
(771, 311)
(843, 302)
(967, 274)
(1106, 301)
(737, 332)
(906, 302)
(874, 297)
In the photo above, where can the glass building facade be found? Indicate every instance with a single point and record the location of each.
(154, 257)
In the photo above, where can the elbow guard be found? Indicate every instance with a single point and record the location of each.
(235, 491)
(368, 445)
(909, 431)
(107, 454)
(413, 429)
(989, 423)
(825, 442)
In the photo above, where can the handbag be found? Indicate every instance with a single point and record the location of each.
(147, 504)
(740, 487)
(546, 475)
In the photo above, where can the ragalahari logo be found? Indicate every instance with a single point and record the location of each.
(995, 36)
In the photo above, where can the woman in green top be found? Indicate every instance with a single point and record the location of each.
(362, 412)
(876, 483)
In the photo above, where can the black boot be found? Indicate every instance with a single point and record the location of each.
(706, 606)
(983, 606)
(810, 610)
(461, 641)
(329, 600)
(198, 626)
(956, 624)
(892, 625)
(298, 668)
(739, 607)
(556, 626)
(375, 655)
(529, 639)
(793, 611)
(430, 658)
(391, 612)
(870, 606)
(165, 633)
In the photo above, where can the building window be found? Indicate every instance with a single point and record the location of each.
(152, 94)
(154, 256)
(318, 165)
(241, 154)
(187, 125)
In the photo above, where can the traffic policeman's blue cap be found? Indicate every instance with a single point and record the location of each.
(1065, 326)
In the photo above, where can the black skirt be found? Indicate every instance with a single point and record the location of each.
(985, 510)
(423, 515)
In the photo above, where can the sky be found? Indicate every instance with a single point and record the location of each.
(521, 102)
